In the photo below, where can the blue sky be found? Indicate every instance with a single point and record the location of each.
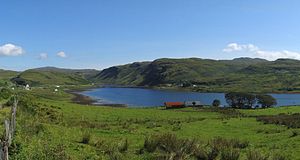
(102, 33)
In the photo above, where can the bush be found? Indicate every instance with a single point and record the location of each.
(229, 112)
(123, 146)
(168, 146)
(113, 150)
(216, 103)
(291, 121)
(44, 150)
(230, 154)
(86, 137)
(5, 93)
(150, 144)
(221, 143)
(279, 156)
(255, 155)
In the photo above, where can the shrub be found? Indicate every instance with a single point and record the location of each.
(150, 144)
(5, 93)
(31, 127)
(115, 155)
(220, 143)
(216, 103)
(45, 150)
(123, 146)
(294, 133)
(86, 137)
(278, 156)
(291, 121)
(112, 150)
(176, 127)
(230, 154)
(200, 153)
(255, 155)
(229, 112)
(168, 146)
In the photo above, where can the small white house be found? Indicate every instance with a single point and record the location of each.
(27, 87)
(193, 103)
(55, 90)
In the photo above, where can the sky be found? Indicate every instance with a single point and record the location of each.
(102, 33)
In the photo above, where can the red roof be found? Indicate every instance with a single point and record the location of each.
(174, 104)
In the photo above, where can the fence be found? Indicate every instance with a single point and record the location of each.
(9, 131)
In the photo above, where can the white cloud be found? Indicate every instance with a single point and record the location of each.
(11, 50)
(43, 56)
(232, 47)
(259, 53)
(62, 54)
(273, 55)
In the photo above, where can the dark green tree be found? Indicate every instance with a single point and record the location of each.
(216, 103)
(240, 100)
(266, 100)
(231, 99)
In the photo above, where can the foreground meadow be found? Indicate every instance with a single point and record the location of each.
(50, 126)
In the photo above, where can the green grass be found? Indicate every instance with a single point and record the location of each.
(58, 126)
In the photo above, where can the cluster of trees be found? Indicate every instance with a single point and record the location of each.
(248, 100)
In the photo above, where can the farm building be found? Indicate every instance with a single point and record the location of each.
(27, 87)
(193, 104)
(170, 105)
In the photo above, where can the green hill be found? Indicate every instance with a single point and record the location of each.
(241, 74)
(130, 74)
(205, 75)
(7, 74)
(56, 76)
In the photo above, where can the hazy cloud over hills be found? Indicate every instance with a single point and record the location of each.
(259, 53)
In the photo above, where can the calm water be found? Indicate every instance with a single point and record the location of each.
(139, 97)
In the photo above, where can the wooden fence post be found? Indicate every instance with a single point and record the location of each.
(8, 134)
(5, 141)
(13, 117)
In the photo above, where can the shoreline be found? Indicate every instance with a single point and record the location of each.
(87, 100)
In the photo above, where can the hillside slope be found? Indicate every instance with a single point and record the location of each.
(57, 76)
(7, 74)
(255, 75)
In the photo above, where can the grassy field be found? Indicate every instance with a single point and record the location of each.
(50, 126)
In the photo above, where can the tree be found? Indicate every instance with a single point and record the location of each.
(231, 99)
(266, 101)
(216, 103)
(250, 100)
(240, 100)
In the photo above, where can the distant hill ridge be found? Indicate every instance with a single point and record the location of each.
(167, 70)
(57, 76)
(239, 74)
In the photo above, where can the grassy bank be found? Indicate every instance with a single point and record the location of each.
(50, 126)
